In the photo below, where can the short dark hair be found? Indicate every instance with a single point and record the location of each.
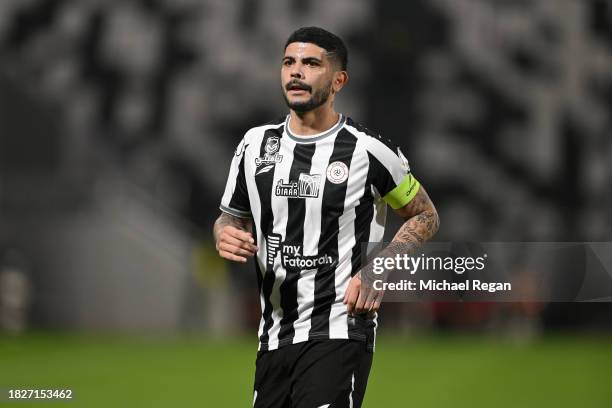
(324, 39)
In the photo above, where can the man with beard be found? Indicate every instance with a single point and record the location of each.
(315, 186)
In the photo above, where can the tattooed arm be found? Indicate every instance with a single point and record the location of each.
(422, 222)
(234, 237)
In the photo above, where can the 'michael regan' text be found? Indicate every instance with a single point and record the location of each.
(443, 285)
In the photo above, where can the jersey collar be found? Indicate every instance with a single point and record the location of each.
(315, 137)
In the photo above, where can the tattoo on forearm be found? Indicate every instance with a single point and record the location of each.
(421, 223)
(418, 229)
(421, 227)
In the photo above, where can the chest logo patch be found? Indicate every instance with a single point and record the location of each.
(271, 155)
(337, 172)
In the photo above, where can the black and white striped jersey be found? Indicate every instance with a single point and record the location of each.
(314, 200)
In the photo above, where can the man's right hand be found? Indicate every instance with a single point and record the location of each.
(234, 244)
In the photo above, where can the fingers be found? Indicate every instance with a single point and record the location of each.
(240, 234)
(347, 293)
(370, 299)
(236, 250)
(374, 300)
(377, 302)
(238, 238)
(354, 284)
(359, 309)
(229, 239)
(235, 244)
(351, 295)
(351, 299)
(363, 298)
(230, 256)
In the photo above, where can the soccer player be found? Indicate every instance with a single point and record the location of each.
(314, 186)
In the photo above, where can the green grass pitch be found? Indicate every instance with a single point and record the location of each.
(141, 371)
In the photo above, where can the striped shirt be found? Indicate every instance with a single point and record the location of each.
(314, 201)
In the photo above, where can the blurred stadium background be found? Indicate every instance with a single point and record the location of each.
(118, 120)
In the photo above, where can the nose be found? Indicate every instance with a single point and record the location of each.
(296, 71)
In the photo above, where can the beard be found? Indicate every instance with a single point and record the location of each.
(318, 98)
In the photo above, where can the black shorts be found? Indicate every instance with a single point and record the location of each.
(330, 373)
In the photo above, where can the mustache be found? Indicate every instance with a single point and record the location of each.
(294, 83)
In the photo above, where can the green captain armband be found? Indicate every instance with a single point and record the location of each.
(403, 193)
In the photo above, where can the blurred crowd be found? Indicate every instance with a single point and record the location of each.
(132, 109)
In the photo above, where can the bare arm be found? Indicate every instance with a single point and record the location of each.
(234, 237)
(421, 223)
(421, 220)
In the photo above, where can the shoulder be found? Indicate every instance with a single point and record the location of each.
(255, 134)
(261, 129)
(370, 139)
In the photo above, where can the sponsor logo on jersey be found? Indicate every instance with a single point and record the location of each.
(292, 256)
(272, 245)
(270, 157)
(307, 186)
(337, 172)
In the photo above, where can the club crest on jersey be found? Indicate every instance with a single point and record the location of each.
(270, 157)
(337, 172)
(307, 186)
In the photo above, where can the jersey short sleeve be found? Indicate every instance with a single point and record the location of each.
(390, 173)
(235, 200)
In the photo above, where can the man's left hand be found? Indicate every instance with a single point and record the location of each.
(361, 298)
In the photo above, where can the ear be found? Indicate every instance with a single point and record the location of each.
(340, 79)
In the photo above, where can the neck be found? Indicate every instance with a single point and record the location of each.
(312, 122)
